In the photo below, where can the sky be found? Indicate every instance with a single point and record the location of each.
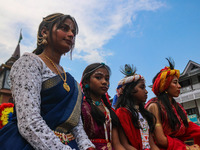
(116, 32)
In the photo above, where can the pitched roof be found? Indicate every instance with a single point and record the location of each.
(191, 65)
(14, 56)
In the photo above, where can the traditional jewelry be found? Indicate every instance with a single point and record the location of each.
(97, 103)
(64, 138)
(137, 108)
(108, 120)
(99, 72)
(65, 85)
(44, 40)
(100, 65)
(87, 86)
(158, 124)
(52, 17)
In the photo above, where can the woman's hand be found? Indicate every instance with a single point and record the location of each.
(116, 140)
(193, 147)
(151, 142)
(124, 140)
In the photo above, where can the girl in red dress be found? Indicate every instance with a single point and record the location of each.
(137, 123)
(172, 126)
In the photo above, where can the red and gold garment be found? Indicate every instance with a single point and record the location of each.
(133, 134)
(176, 138)
(95, 132)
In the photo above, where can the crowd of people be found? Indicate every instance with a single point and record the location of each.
(53, 111)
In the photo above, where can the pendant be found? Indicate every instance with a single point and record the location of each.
(109, 146)
(66, 87)
(97, 103)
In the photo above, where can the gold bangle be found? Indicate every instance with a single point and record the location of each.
(158, 124)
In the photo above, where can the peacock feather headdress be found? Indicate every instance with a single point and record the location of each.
(130, 76)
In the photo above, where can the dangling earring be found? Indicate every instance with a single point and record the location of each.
(166, 92)
(44, 40)
(87, 86)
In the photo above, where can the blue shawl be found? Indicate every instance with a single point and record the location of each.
(60, 109)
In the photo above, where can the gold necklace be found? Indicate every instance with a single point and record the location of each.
(65, 85)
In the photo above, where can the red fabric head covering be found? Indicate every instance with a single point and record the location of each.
(164, 79)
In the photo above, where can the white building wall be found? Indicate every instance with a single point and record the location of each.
(198, 104)
(188, 105)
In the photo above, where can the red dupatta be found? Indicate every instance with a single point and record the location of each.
(132, 133)
(176, 138)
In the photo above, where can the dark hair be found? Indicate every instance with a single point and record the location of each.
(97, 114)
(173, 120)
(128, 101)
(48, 23)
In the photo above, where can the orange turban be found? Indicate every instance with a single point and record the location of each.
(164, 79)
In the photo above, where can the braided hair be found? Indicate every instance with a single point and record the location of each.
(48, 23)
(97, 114)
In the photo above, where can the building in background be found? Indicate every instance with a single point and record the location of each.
(5, 93)
(189, 96)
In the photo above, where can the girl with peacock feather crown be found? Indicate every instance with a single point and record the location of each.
(137, 123)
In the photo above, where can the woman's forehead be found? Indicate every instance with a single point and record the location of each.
(141, 81)
(175, 77)
(69, 22)
(101, 71)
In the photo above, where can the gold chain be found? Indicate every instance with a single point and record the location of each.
(65, 85)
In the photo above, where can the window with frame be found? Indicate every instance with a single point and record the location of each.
(185, 83)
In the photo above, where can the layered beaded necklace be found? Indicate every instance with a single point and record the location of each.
(65, 85)
(108, 121)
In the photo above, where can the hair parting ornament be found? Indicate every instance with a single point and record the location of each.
(164, 78)
(131, 76)
(53, 17)
(101, 65)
